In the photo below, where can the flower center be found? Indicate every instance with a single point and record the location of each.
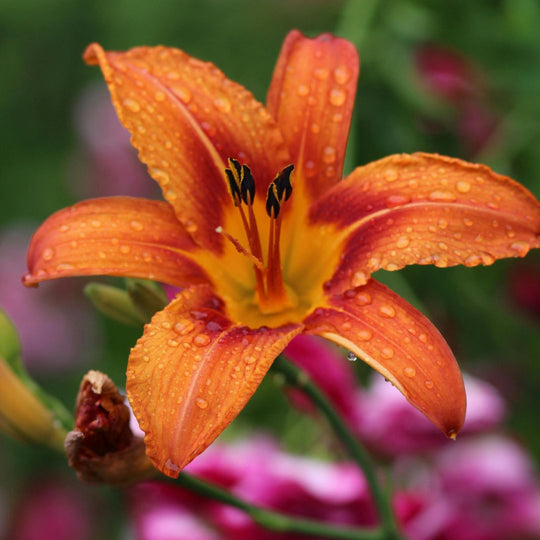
(270, 291)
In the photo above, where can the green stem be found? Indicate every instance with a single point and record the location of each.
(275, 521)
(300, 379)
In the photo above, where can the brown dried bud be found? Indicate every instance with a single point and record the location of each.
(102, 447)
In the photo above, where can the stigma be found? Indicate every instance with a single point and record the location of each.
(270, 292)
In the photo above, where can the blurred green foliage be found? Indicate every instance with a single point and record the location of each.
(42, 75)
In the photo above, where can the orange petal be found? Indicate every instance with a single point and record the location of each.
(186, 118)
(311, 97)
(115, 236)
(400, 343)
(426, 209)
(192, 372)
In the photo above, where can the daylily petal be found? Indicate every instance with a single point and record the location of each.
(311, 97)
(115, 236)
(426, 209)
(400, 343)
(186, 118)
(192, 372)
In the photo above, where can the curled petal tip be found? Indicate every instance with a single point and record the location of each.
(90, 54)
(29, 281)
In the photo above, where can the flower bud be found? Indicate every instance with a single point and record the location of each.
(147, 297)
(102, 448)
(27, 413)
(114, 302)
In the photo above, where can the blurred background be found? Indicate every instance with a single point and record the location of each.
(459, 78)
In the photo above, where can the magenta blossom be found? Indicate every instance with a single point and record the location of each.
(260, 473)
(324, 364)
(55, 323)
(107, 164)
(480, 489)
(392, 426)
(51, 510)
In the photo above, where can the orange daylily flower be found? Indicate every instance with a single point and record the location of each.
(264, 252)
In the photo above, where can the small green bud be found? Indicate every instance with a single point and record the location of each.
(147, 297)
(114, 302)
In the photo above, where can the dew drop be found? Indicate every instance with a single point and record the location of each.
(64, 228)
(302, 90)
(342, 74)
(159, 96)
(310, 169)
(166, 325)
(183, 327)
(136, 225)
(337, 117)
(443, 223)
(160, 176)
(387, 352)
(250, 359)
(48, 254)
(463, 187)
(363, 298)
(359, 278)
(132, 105)
(472, 260)
(125, 249)
(172, 343)
(364, 335)
(337, 97)
(201, 340)
(321, 74)
(64, 266)
(352, 357)
(522, 248)
(223, 105)
(442, 196)
(201, 403)
(468, 222)
(183, 93)
(390, 175)
(396, 200)
(387, 311)
(410, 372)
(315, 128)
(402, 242)
(429, 384)
(95, 223)
(329, 154)
(422, 338)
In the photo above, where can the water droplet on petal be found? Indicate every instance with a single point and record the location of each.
(422, 338)
(363, 298)
(463, 187)
(201, 403)
(472, 260)
(223, 105)
(396, 200)
(201, 340)
(402, 242)
(125, 249)
(342, 74)
(250, 359)
(172, 343)
(337, 97)
(387, 352)
(137, 225)
(442, 196)
(359, 278)
(159, 96)
(429, 384)
(522, 248)
(183, 327)
(48, 254)
(409, 372)
(321, 74)
(132, 105)
(329, 154)
(303, 90)
(364, 335)
(160, 176)
(387, 311)
(352, 357)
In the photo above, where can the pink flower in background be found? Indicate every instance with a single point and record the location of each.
(259, 472)
(392, 426)
(479, 489)
(524, 287)
(56, 324)
(107, 163)
(451, 77)
(324, 364)
(51, 510)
